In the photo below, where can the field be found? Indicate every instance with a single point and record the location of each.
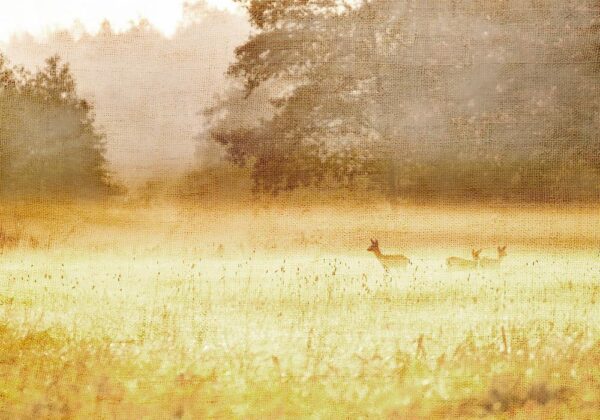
(173, 310)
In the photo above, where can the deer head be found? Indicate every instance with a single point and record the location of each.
(502, 251)
(475, 253)
(374, 246)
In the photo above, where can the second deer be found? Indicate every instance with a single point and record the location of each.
(493, 262)
(462, 263)
(388, 261)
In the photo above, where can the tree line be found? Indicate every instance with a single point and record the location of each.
(427, 100)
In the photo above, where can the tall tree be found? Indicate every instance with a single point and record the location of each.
(320, 122)
(48, 142)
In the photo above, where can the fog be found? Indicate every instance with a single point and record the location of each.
(148, 89)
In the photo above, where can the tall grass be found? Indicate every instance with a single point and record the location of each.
(192, 312)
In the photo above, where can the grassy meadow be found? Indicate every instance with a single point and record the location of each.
(176, 310)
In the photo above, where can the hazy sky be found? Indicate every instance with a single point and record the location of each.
(39, 16)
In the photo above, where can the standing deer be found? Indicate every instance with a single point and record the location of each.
(388, 261)
(462, 263)
(493, 262)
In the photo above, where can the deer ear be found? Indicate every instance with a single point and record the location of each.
(372, 241)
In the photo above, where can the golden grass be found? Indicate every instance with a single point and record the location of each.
(181, 311)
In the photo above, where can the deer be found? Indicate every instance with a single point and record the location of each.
(462, 263)
(388, 261)
(493, 262)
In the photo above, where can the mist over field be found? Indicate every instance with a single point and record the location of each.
(303, 209)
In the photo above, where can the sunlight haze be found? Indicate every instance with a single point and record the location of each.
(17, 16)
(384, 209)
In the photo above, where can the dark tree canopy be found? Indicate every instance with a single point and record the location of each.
(455, 98)
(48, 142)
